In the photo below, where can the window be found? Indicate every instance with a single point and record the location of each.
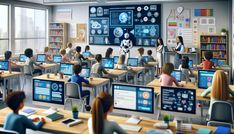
(4, 29)
(30, 29)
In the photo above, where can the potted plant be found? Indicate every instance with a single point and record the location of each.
(75, 112)
(166, 119)
(223, 31)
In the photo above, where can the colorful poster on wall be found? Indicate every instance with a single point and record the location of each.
(203, 12)
(81, 33)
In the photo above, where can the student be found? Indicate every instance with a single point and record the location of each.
(16, 122)
(48, 55)
(141, 60)
(184, 67)
(8, 56)
(166, 79)
(65, 59)
(99, 124)
(79, 80)
(207, 64)
(178, 50)
(69, 47)
(150, 57)
(159, 57)
(30, 62)
(219, 90)
(87, 50)
(79, 57)
(97, 68)
(120, 65)
(109, 52)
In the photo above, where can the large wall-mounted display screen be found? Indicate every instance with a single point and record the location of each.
(108, 24)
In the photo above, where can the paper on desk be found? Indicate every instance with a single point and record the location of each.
(49, 111)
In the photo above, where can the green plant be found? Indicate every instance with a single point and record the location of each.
(223, 30)
(74, 109)
(165, 118)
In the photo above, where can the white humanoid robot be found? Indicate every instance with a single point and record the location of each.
(125, 46)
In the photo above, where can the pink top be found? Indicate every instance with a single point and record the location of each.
(167, 80)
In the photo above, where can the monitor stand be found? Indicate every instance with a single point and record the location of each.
(51, 110)
(134, 120)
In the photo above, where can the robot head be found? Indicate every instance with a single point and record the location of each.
(126, 35)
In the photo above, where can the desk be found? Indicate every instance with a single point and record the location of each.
(95, 84)
(6, 76)
(46, 66)
(156, 83)
(57, 127)
(118, 74)
(136, 71)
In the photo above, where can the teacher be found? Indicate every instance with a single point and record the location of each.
(178, 50)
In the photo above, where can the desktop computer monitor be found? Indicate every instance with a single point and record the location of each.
(177, 74)
(4, 65)
(48, 93)
(41, 58)
(86, 54)
(215, 61)
(22, 58)
(133, 100)
(179, 100)
(66, 68)
(205, 78)
(190, 63)
(222, 62)
(116, 59)
(85, 72)
(146, 58)
(57, 58)
(108, 63)
(132, 62)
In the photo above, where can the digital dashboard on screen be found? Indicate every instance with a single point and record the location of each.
(108, 24)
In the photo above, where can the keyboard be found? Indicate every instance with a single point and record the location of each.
(132, 128)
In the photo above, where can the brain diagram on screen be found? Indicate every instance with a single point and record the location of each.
(108, 24)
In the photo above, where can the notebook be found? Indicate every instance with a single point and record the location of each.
(27, 112)
(160, 131)
(55, 116)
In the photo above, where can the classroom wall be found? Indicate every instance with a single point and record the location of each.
(80, 14)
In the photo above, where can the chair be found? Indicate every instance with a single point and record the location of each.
(3, 131)
(221, 114)
(72, 92)
(28, 74)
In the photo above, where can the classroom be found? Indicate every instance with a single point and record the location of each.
(116, 67)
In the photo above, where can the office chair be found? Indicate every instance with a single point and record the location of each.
(221, 114)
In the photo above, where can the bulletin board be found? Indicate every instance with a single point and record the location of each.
(108, 24)
(179, 24)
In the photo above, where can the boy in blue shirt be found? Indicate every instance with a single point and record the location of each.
(16, 122)
(78, 79)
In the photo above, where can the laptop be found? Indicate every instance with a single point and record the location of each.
(85, 72)
(132, 62)
(177, 74)
(22, 58)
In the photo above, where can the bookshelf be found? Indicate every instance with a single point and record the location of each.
(217, 44)
(57, 36)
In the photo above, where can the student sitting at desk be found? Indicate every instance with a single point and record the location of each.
(150, 57)
(99, 124)
(184, 67)
(87, 50)
(79, 57)
(16, 122)
(120, 65)
(166, 79)
(8, 55)
(30, 62)
(207, 64)
(219, 89)
(97, 68)
(109, 52)
(78, 79)
(48, 55)
(65, 59)
(141, 60)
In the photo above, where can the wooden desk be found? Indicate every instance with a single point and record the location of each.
(94, 84)
(46, 66)
(6, 76)
(57, 127)
(156, 83)
(117, 74)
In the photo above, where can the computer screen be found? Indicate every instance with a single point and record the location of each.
(57, 58)
(85, 72)
(22, 58)
(41, 58)
(108, 63)
(66, 68)
(177, 74)
(205, 78)
(133, 98)
(178, 100)
(4, 65)
(222, 62)
(116, 59)
(146, 58)
(132, 62)
(215, 61)
(46, 91)
(190, 63)
(86, 54)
